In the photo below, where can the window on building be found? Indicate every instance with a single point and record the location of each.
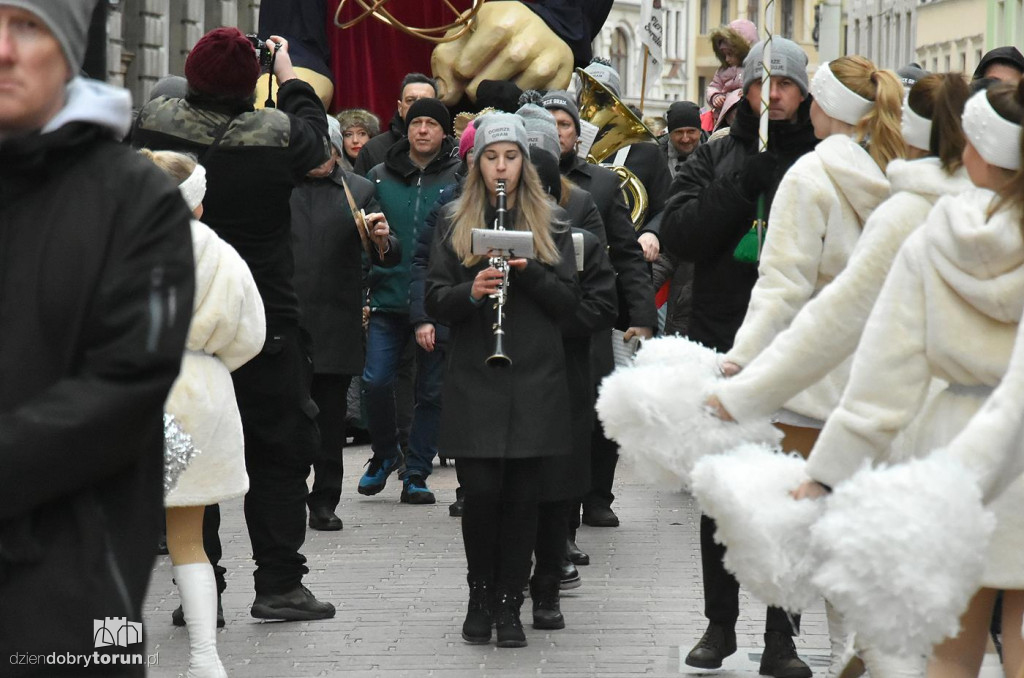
(787, 19)
(897, 55)
(946, 61)
(725, 12)
(702, 84)
(856, 36)
(935, 65)
(620, 57)
(754, 12)
(868, 38)
(703, 17)
(908, 38)
(963, 62)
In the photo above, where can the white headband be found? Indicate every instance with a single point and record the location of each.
(193, 189)
(836, 99)
(996, 139)
(917, 129)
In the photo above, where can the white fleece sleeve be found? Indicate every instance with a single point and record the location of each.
(788, 273)
(889, 379)
(826, 330)
(992, 443)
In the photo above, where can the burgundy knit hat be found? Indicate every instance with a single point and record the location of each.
(223, 63)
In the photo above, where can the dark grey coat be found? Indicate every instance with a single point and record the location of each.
(329, 268)
(517, 412)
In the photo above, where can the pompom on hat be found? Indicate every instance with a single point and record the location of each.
(223, 64)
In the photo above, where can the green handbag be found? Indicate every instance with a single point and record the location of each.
(748, 250)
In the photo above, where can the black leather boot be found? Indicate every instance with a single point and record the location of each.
(573, 552)
(717, 643)
(547, 613)
(479, 618)
(779, 658)
(506, 618)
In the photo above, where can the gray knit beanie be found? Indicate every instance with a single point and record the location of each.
(541, 130)
(559, 99)
(606, 75)
(68, 20)
(495, 127)
(358, 117)
(788, 60)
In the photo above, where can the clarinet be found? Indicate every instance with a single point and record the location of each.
(498, 357)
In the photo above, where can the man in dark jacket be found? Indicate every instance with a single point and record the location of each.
(96, 296)
(408, 182)
(637, 314)
(253, 159)
(329, 282)
(414, 86)
(713, 204)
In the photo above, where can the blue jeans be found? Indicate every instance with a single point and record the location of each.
(386, 339)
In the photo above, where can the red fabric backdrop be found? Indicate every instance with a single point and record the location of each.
(370, 60)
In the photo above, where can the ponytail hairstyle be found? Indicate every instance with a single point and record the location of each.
(940, 97)
(1008, 101)
(178, 166)
(880, 126)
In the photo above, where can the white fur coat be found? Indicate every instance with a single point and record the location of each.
(949, 309)
(228, 329)
(815, 222)
(825, 332)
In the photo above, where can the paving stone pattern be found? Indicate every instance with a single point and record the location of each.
(397, 573)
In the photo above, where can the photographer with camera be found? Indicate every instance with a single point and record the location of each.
(253, 159)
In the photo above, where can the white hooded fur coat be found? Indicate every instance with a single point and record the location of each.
(815, 223)
(949, 309)
(824, 334)
(228, 329)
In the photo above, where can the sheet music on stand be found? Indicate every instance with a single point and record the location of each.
(624, 351)
(588, 133)
(488, 242)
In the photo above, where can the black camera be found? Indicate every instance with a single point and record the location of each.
(262, 49)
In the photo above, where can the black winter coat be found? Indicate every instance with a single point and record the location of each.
(376, 149)
(568, 476)
(96, 286)
(636, 297)
(329, 267)
(523, 410)
(646, 161)
(421, 262)
(710, 211)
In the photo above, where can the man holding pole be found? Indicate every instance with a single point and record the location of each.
(714, 200)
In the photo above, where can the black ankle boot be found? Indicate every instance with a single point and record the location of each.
(779, 658)
(717, 643)
(477, 627)
(546, 611)
(573, 552)
(506, 617)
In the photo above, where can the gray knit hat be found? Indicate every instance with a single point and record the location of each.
(788, 59)
(541, 130)
(358, 117)
(334, 132)
(559, 99)
(68, 20)
(495, 127)
(606, 75)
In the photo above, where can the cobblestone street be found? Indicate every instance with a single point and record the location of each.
(396, 574)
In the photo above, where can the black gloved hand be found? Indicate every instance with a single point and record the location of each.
(758, 173)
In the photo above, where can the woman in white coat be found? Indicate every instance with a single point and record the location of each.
(949, 309)
(228, 329)
(798, 358)
(818, 213)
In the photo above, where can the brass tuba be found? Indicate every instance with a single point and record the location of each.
(617, 127)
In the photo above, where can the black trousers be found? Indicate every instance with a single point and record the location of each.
(722, 591)
(604, 457)
(499, 521)
(552, 532)
(330, 392)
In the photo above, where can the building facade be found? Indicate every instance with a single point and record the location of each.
(950, 35)
(1005, 24)
(884, 31)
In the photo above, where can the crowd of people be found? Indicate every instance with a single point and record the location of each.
(224, 291)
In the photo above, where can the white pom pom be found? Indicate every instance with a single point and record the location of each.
(655, 411)
(764, 530)
(902, 551)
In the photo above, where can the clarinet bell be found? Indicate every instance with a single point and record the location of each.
(498, 358)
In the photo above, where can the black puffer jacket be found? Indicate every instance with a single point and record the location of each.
(376, 149)
(710, 211)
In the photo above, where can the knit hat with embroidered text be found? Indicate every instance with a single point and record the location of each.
(788, 59)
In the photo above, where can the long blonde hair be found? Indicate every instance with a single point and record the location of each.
(179, 166)
(532, 213)
(880, 127)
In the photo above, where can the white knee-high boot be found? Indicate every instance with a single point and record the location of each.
(839, 640)
(880, 665)
(198, 590)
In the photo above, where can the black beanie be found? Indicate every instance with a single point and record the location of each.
(430, 108)
(683, 114)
